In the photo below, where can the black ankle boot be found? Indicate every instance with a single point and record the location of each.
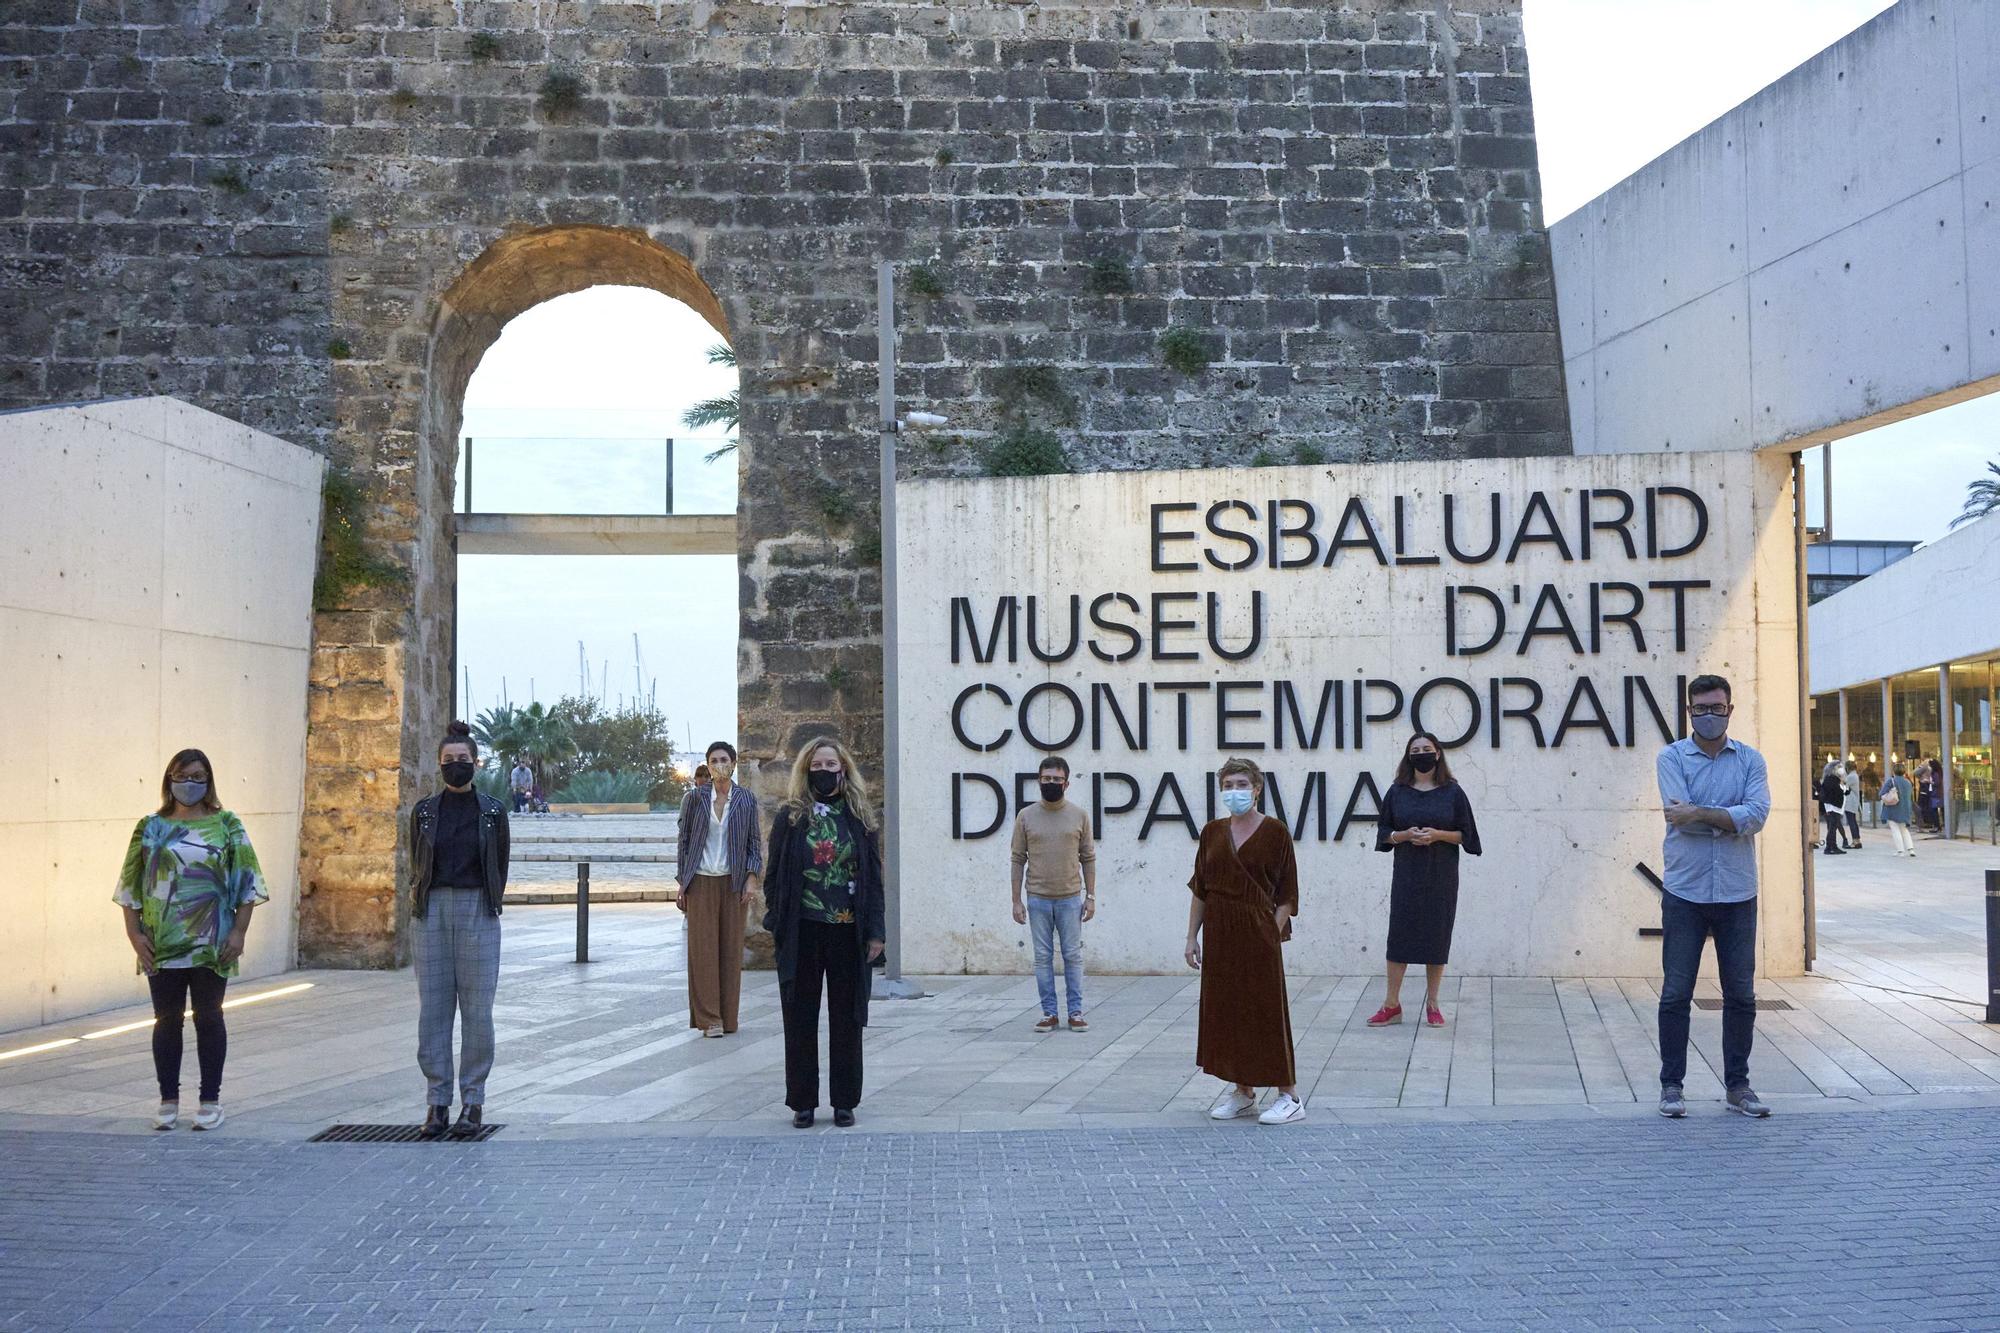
(802, 1120)
(436, 1120)
(468, 1123)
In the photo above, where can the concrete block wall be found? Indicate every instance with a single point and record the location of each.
(1823, 259)
(280, 211)
(155, 594)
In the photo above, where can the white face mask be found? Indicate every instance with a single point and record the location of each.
(1238, 800)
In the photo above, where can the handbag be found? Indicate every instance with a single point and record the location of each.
(1892, 796)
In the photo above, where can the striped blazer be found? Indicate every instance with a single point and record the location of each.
(743, 839)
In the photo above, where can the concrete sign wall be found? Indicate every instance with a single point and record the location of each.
(156, 567)
(1539, 615)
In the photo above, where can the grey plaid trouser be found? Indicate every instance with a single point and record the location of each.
(458, 969)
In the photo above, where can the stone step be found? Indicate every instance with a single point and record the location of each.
(595, 858)
(598, 897)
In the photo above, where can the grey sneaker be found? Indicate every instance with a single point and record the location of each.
(1671, 1104)
(1749, 1103)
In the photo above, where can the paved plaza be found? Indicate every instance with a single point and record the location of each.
(1505, 1171)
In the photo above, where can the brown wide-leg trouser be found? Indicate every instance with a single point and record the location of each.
(715, 914)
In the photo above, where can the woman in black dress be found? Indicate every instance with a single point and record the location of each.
(1426, 818)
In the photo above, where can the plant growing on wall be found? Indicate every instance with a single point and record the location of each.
(1024, 451)
(483, 46)
(1185, 350)
(836, 506)
(561, 94)
(230, 182)
(345, 563)
(1110, 276)
(1023, 388)
(924, 281)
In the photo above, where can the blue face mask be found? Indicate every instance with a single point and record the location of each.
(1708, 727)
(1238, 801)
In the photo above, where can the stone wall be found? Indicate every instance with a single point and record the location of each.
(279, 210)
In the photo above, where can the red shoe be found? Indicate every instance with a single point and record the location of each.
(1432, 1016)
(1385, 1016)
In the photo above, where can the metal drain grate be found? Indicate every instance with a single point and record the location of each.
(392, 1134)
(1785, 1005)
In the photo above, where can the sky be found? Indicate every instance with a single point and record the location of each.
(570, 409)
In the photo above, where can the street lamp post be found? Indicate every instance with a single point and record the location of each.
(892, 985)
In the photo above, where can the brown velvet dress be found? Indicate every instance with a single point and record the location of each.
(1245, 1030)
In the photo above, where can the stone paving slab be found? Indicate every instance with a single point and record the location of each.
(1831, 1221)
(605, 1048)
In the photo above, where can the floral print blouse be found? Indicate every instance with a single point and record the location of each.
(828, 894)
(187, 879)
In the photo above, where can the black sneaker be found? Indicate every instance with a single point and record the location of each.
(1746, 1102)
(1672, 1105)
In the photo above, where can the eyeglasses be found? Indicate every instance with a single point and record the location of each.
(1709, 710)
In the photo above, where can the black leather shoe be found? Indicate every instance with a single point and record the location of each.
(436, 1120)
(468, 1123)
(843, 1119)
(802, 1120)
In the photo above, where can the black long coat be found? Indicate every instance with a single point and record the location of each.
(785, 861)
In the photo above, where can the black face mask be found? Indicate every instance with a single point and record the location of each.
(823, 783)
(457, 772)
(1052, 792)
(1423, 763)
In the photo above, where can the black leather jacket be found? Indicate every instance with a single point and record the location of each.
(493, 851)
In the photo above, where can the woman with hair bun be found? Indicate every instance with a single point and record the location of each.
(458, 877)
(1425, 820)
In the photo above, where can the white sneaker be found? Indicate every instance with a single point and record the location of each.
(209, 1116)
(1283, 1111)
(167, 1116)
(1231, 1105)
(715, 1031)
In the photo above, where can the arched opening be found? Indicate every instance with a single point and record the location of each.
(519, 271)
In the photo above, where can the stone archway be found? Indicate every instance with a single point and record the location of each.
(382, 678)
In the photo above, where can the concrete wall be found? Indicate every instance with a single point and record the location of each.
(1820, 260)
(1555, 893)
(1937, 605)
(155, 593)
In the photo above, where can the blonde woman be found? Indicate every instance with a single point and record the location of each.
(823, 907)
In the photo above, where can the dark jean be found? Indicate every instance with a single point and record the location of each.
(173, 988)
(1685, 927)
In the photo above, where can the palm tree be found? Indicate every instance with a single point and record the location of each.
(532, 733)
(1982, 497)
(726, 411)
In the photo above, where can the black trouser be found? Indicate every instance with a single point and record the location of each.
(172, 988)
(826, 953)
(1832, 818)
(1854, 828)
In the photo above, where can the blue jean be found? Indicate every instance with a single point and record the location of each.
(1685, 926)
(1048, 918)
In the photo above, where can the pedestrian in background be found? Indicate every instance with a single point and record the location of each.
(721, 854)
(824, 909)
(521, 782)
(1055, 866)
(1425, 819)
(189, 885)
(1831, 796)
(1246, 892)
(459, 845)
(1896, 800)
(1850, 803)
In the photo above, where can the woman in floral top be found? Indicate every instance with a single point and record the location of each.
(189, 885)
(823, 895)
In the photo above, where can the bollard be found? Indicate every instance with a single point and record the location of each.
(583, 911)
(1993, 946)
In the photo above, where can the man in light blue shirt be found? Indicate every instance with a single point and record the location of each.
(1716, 795)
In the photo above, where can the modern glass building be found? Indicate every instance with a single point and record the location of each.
(1905, 667)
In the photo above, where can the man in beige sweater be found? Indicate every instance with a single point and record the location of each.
(1056, 862)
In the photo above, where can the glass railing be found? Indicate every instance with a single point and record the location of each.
(580, 475)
